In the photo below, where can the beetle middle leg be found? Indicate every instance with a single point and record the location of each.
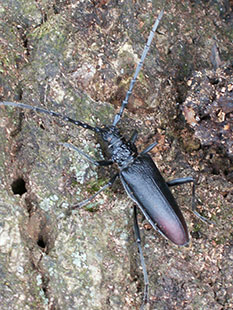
(149, 148)
(181, 181)
(86, 201)
(97, 163)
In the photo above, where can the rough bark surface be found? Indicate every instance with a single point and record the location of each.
(77, 58)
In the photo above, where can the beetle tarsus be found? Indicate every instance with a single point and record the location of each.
(145, 275)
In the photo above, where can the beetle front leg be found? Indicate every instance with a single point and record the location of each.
(89, 158)
(138, 241)
(134, 137)
(181, 181)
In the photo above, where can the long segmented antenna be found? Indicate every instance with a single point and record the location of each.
(51, 113)
(139, 66)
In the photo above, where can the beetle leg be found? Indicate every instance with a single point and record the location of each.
(181, 181)
(149, 148)
(134, 137)
(89, 158)
(138, 240)
(86, 201)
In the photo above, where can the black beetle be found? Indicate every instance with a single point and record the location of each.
(138, 173)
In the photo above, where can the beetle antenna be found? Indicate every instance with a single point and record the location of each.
(51, 113)
(139, 66)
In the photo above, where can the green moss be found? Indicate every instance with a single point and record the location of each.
(92, 207)
(54, 28)
(95, 185)
(197, 227)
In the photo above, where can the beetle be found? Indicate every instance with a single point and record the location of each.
(138, 173)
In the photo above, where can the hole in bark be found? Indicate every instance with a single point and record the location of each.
(41, 242)
(18, 186)
(213, 81)
(42, 230)
(205, 117)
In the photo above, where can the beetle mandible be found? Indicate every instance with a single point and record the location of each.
(138, 173)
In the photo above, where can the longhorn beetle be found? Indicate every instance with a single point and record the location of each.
(138, 173)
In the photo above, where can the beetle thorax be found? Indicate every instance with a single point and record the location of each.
(120, 150)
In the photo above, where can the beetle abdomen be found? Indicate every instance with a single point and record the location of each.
(145, 185)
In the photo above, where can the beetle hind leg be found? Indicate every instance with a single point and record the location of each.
(181, 181)
(145, 275)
